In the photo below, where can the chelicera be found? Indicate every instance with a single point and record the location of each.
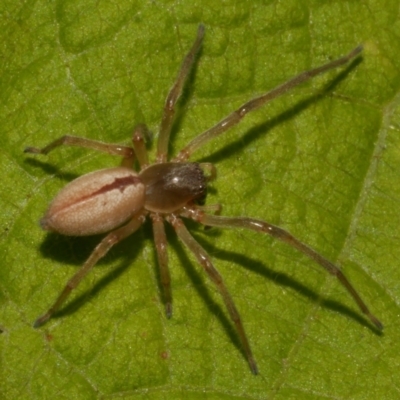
(118, 200)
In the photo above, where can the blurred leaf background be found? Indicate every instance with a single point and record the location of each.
(322, 162)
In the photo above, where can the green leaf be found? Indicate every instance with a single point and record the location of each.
(322, 162)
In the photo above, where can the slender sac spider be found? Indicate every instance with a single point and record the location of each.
(118, 200)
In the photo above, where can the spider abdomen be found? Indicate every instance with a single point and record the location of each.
(95, 203)
(170, 186)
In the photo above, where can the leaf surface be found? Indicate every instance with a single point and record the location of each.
(322, 162)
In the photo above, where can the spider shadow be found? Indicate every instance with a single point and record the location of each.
(50, 169)
(251, 264)
(199, 280)
(54, 247)
(283, 280)
(264, 128)
(69, 250)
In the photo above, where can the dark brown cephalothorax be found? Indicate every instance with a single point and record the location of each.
(118, 200)
(171, 186)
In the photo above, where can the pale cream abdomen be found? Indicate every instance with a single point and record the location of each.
(95, 203)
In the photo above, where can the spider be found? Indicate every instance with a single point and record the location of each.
(118, 200)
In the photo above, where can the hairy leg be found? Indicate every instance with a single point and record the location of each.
(236, 116)
(173, 96)
(284, 236)
(100, 251)
(67, 140)
(160, 241)
(139, 145)
(205, 261)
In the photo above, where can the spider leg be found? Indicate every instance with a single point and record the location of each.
(138, 139)
(205, 261)
(160, 240)
(284, 236)
(100, 251)
(236, 116)
(68, 140)
(173, 96)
